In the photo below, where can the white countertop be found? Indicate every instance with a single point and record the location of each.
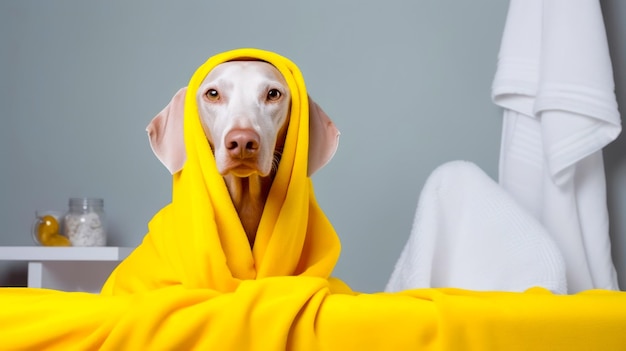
(43, 253)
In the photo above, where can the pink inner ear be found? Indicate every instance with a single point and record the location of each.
(166, 134)
(323, 138)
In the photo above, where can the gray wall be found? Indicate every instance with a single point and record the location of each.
(407, 82)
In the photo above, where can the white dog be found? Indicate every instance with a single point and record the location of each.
(244, 107)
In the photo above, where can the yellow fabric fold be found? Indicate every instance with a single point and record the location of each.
(300, 313)
(194, 283)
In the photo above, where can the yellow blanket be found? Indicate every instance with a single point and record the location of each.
(194, 282)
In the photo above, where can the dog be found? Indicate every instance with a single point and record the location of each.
(244, 108)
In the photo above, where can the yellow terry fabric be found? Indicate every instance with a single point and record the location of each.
(195, 284)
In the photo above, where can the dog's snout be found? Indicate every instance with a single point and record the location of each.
(242, 143)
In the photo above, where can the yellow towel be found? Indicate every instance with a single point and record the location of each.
(194, 283)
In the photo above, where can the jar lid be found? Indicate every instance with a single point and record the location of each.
(86, 202)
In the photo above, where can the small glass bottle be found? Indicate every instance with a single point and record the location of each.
(84, 223)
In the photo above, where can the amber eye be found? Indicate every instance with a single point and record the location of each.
(273, 95)
(212, 95)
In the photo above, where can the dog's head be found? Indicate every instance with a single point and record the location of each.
(244, 107)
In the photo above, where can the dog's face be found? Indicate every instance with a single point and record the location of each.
(244, 106)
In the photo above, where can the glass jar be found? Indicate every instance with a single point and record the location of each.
(84, 223)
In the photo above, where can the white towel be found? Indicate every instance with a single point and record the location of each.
(469, 233)
(555, 82)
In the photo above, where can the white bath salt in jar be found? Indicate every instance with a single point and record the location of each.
(84, 223)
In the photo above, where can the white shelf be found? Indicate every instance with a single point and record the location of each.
(67, 268)
(43, 253)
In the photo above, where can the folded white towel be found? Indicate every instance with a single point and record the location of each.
(555, 81)
(469, 233)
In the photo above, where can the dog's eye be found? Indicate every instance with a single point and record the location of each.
(212, 95)
(273, 95)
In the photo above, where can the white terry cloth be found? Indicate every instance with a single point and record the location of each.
(555, 83)
(469, 233)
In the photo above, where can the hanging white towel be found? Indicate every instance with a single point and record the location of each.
(469, 233)
(555, 83)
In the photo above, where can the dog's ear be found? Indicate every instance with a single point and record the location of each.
(166, 135)
(323, 138)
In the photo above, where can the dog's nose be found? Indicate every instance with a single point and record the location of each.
(242, 143)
